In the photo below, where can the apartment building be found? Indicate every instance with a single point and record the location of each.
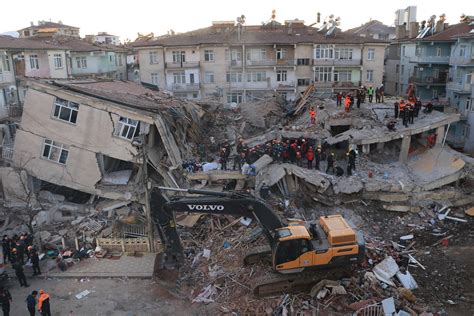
(104, 38)
(49, 29)
(84, 135)
(240, 63)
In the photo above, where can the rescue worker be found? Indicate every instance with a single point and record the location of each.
(20, 274)
(292, 150)
(44, 303)
(377, 95)
(382, 92)
(31, 303)
(286, 151)
(317, 157)
(370, 93)
(359, 97)
(240, 146)
(312, 115)
(339, 99)
(310, 157)
(20, 248)
(405, 115)
(299, 156)
(351, 155)
(411, 112)
(223, 158)
(418, 106)
(395, 107)
(6, 248)
(33, 254)
(5, 300)
(347, 104)
(431, 140)
(330, 161)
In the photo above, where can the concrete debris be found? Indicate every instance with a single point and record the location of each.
(385, 270)
(82, 294)
(407, 280)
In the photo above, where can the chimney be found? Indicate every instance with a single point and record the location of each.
(400, 31)
(413, 32)
(439, 26)
(32, 23)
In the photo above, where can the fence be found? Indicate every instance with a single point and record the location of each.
(127, 244)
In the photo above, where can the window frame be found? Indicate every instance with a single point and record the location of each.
(209, 55)
(234, 77)
(125, 124)
(34, 62)
(71, 106)
(282, 76)
(371, 54)
(371, 72)
(281, 53)
(209, 77)
(61, 149)
(323, 72)
(153, 56)
(154, 78)
(179, 77)
(58, 61)
(239, 97)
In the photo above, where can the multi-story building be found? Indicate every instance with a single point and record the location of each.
(103, 38)
(238, 63)
(49, 29)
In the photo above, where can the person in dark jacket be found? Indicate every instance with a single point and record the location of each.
(330, 161)
(34, 257)
(395, 107)
(317, 157)
(31, 303)
(5, 300)
(20, 274)
(44, 304)
(6, 248)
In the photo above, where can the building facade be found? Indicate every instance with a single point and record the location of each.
(238, 64)
(103, 38)
(49, 29)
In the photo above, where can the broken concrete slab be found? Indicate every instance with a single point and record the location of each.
(51, 197)
(121, 177)
(385, 270)
(216, 175)
(347, 185)
(262, 162)
(401, 208)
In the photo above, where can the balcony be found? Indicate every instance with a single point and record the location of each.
(465, 88)
(337, 62)
(285, 62)
(183, 64)
(461, 61)
(6, 77)
(290, 85)
(430, 59)
(428, 81)
(234, 63)
(261, 62)
(185, 87)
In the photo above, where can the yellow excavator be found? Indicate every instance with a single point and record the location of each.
(293, 249)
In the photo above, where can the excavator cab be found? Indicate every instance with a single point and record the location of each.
(331, 242)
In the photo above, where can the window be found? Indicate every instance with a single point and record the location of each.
(304, 82)
(208, 55)
(323, 74)
(343, 53)
(465, 131)
(257, 54)
(179, 77)
(234, 77)
(403, 69)
(435, 94)
(436, 73)
(370, 75)
(6, 63)
(234, 97)
(281, 53)
(58, 61)
(290, 250)
(438, 51)
(281, 75)
(208, 77)
(462, 50)
(65, 110)
(120, 62)
(323, 52)
(154, 79)
(468, 104)
(403, 51)
(126, 128)
(34, 62)
(397, 68)
(233, 54)
(81, 62)
(396, 87)
(302, 61)
(256, 76)
(371, 54)
(55, 151)
(342, 75)
(179, 56)
(153, 58)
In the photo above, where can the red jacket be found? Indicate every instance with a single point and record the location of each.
(310, 155)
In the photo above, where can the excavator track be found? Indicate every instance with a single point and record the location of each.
(298, 282)
(257, 254)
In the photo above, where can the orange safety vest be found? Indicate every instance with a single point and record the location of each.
(312, 114)
(402, 106)
(41, 299)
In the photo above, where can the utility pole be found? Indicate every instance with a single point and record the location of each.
(147, 186)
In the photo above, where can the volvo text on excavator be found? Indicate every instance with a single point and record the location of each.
(293, 249)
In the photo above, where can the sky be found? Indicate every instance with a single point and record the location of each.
(127, 18)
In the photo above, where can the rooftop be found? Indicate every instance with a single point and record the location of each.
(11, 43)
(47, 24)
(253, 34)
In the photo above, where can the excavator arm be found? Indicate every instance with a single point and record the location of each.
(236, 204)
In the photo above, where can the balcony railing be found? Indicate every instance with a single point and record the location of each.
(261, 62)
(286, 85)
(442, 80)
(185, 87)
(459, 87)
(337, 62)
(461, 60)
(183, 64)
(430, 59)
(235, 63)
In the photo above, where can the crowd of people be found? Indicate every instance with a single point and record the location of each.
(17, 251)
(359, 96)
(408, 111)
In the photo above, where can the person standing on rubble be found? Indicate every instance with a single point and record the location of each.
(377, 95)
(405, 115)
(20, 274)
(330, 161)
(34, 257)
(310, 157)
(293, 148)
(223, 158)
(370, 93)
(418, 106)
(351, 155)
(395, 107)
(20, 248)
(339, 99)
(312, 115)
(358, 97)
(6, 248)
(317, 157)
(411, 112)
(347, 104)
(382, 93)
(286, 151)
(44, 303)
(299, 156)
(5, 300)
